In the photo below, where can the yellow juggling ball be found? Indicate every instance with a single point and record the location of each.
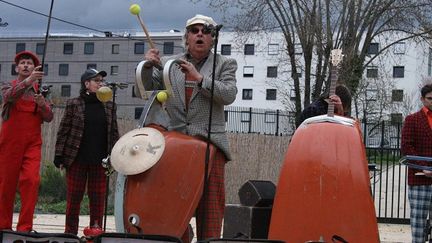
(134, 9)
(162, 96)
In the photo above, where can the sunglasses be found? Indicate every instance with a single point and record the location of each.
(195, 30)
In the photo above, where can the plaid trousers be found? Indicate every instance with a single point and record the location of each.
(211, 208)
(420, 198)
(78, 176)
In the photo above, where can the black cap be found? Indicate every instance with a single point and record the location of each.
(91, 73)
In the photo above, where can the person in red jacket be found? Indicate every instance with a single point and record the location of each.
(417, 140)
(24, 110)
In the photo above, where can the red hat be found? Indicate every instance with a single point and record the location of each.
(30, 54)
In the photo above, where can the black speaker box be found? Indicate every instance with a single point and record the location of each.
(246, 222)
(226, 240)
(257, 193)
(134, 238)
(9, 236)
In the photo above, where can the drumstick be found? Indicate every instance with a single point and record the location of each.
(135, 9)
(152, 46)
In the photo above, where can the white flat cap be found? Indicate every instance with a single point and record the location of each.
(200, 19)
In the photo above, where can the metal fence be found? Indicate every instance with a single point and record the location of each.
(261, 121)
(389, 180)
(388, 185)
(385, 134)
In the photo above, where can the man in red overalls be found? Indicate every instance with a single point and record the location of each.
(24, 110)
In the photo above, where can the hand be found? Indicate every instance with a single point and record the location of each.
(336, 101)
(153, 58)
(427, 173)
(35, 75)
(58, 162)
(40, 100)
(190, 71)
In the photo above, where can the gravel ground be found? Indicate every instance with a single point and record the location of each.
(54, 223)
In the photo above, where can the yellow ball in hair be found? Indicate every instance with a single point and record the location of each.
(162, 96)
(134, 9)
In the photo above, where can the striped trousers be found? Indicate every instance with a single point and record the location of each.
(210, 210)
(420, 199)
(78, 176)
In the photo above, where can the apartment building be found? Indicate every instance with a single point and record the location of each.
(69, 55)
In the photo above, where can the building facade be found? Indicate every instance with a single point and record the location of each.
(263, 72)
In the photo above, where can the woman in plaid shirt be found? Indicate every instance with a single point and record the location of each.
(87, 132)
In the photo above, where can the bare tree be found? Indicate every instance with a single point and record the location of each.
(321, 25)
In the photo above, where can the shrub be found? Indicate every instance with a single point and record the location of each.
(53, 184)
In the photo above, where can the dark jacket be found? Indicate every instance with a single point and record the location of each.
(71, 129)
(316, 108)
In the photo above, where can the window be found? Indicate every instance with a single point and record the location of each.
(273, 49)
(133, 91)
(398, 71)
(298, 50)
(114, 70)
(299, 73)
(20, 47)
(397, 95)
(371, 94)
(226, 50)
(292, 94)
(92, 65)
(89, 48)
(63, 69)
(430, 62)
(373, 49)
(249, 49)
(168, 48)
(291, 116)
(399, 48)
(138, 111)
(272, 72)
(248, 71)
(45, 69)
(270, 117)
(115, 49)
(65, 91)
(396, 117)
(270, 94)
(68, 48)
(13, 72)
(247, 94)
(40, 48)
(372, 72)
(139, 48)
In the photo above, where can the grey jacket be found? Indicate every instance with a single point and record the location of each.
(195, 121)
